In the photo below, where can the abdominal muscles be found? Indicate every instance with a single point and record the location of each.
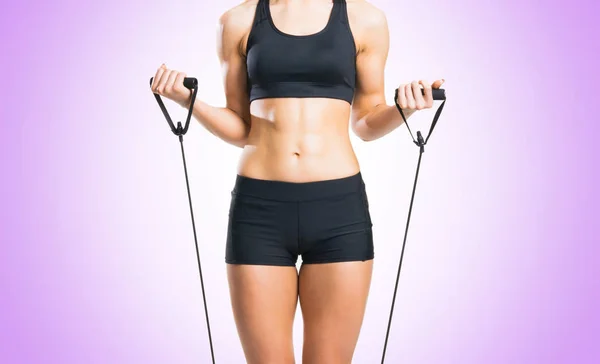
(299, 140)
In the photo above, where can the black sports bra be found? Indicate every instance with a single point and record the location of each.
(322, 64)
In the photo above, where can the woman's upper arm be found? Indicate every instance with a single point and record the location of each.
(373, 35)
(231, 32)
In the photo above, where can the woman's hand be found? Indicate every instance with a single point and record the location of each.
(169, 83)
(411, 97)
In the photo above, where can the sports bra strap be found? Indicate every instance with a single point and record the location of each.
(343, 11)
(261, 13)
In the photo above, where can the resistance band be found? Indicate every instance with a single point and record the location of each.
(192, 84)
(438, 94)
(180, 131)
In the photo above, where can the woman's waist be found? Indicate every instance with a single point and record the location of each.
(296, 164)
(299, 140)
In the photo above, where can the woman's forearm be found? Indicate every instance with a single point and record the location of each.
(379, 121)
(222, 122)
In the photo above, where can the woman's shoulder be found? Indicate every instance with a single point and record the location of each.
(239, 16)
(364, 14)
(235, 25)
(367, 22)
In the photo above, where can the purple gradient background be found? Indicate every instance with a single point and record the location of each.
(96, 254)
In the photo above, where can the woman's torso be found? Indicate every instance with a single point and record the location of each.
(303, 138)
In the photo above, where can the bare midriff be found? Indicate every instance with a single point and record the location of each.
(299, 140)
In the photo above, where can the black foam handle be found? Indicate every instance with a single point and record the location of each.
(438, 94)
(189, 82)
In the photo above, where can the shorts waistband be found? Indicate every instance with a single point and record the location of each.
(297, 191)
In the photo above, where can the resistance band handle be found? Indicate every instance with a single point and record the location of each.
(190, 83)
(439, 94)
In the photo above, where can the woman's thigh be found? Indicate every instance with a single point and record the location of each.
(333, 298)
(264, 300)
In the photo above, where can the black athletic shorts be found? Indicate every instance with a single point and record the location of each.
(273, 222)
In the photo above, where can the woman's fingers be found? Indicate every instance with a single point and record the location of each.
(163, 82)
(156, 79)
(402, 97)
(410, 98)
(427, 93)
(418, 95)
(170, 83)
(181, 89)
(179, 81)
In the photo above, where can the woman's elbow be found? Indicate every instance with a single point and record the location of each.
(362, 131)
(240, 143)
(240, 139)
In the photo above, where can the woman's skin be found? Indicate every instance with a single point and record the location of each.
(300, 140)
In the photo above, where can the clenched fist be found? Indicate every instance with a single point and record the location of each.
(417, 95)
(169, 83)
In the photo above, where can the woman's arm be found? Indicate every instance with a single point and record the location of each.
(232, 122)
(372, 118)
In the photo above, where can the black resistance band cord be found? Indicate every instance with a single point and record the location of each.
(438, 94)
(180, 131)
(192, 84)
